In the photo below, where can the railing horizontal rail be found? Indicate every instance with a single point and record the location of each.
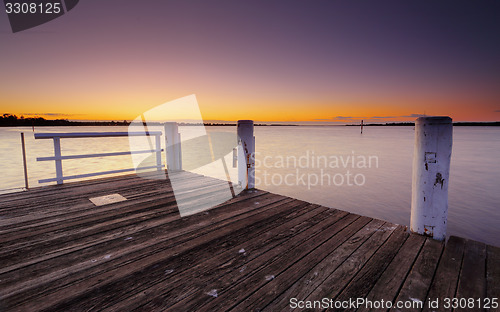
(96, 155)
(87, 175)
(58, 158)
(93, 134)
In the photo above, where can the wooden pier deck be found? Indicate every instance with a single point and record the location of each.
(60, 252)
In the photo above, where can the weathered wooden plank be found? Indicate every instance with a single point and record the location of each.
(361, 266)
(90, 209)
(52, 263)
(419, 279)
(237, 282)
(342, 275)
(472, 281)
(173, 288)
(169, 248)
(388, 285)
(318, 248)
(266, 294)
(444, 284)
(46, 193)
(493, 276)
(72, 206)
(318, 274)
(81, 244)
(63, 208)
(47, 236)
(146, 241)
(177, 263)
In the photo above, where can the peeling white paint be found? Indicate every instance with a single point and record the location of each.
(241, 250)
(430, 178)
(269, 277)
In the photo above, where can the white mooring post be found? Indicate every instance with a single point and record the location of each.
(246, 154)
(431, 171)
(173, 147)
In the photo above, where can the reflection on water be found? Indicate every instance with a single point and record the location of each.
(320, 154)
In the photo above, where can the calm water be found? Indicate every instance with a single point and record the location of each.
(384, 189)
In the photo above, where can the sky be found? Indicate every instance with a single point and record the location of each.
(287, 61)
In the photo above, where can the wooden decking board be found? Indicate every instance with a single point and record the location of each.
(143, 248)
(67, 210)
(257, 254)
(77, 189)
(172, 287)
(139, 281)
(60, 252)
(145, 261)
(136, 204)
(472, 281)
(266, 294)
(239, 292)
(493, 273)
(120, 234)
(444, 284)
(283, 252)
(46, 235)
(364, 279)
(341, 276)
(417, 283)
(305, 285)
(77, 200)
(390, 282)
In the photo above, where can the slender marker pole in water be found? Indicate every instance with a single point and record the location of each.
(361, 126)
(246, 154)
(24, 161)
(431, 171)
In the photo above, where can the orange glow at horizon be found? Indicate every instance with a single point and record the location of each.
(217, 109)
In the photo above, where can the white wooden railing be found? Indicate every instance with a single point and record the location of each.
(58, 158)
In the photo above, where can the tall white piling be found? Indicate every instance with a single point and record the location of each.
(246, 154)
(431, 171)
(173, 147)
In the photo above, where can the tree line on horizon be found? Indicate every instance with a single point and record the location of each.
(10, 120)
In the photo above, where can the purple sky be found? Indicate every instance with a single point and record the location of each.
(287, 60)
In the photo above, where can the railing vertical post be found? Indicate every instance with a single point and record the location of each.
(246, 154)
(173, 146)
(57, 154)
(24, 161)
(431, 171)
(158, 151)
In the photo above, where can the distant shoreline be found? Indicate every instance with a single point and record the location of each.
(8, 120)
(412, 124)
